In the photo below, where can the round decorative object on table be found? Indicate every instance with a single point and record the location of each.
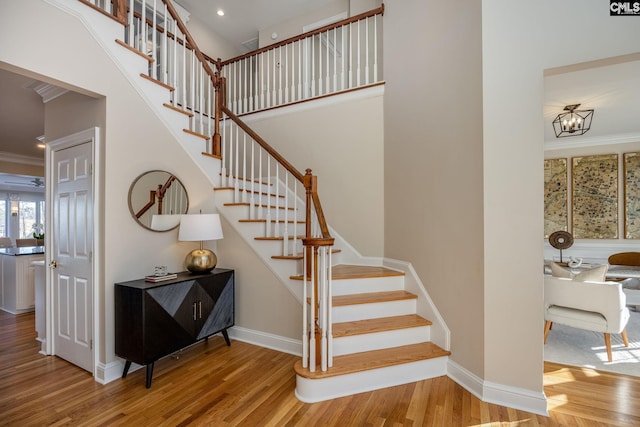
(561, 240)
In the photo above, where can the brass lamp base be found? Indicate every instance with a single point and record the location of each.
(200, 261)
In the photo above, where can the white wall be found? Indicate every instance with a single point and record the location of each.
(516, 51)
(341, 139)
(135, 141)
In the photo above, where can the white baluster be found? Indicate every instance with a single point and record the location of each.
(286, 74)
(184, 76)
(307, 89)
(268, 84)
(305, 315)
(223, 151)
(358, 43)
(131, 40)
(267, 231)
(285, 234)
(143, 31)
(244, 82)
(350, 55)
(279, 75)
(262, 83)
(335, 59)
(313, 68)
(245, 196)
(294, 242)
(236, 183)
(344, 63)
(231, 151)
(233, 84)
(154, 67)
(320, 89)
(322, 289)
(312, 341)
(274, 97)
(366, 51)
(260, 212)
(329, 308)
(375, 49)
(277, 184)
(328, 79)
(300, 63)
(252, 200)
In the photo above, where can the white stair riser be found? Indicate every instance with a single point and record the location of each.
(349, 313)
(318, 390)
(379, 340)
(362, 286)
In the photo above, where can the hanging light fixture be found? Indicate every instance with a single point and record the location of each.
(572, 122)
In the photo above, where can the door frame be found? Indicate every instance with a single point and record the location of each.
(91, 136)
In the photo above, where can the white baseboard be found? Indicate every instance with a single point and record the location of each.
(499, 394)
(263, 339)
(111, 371)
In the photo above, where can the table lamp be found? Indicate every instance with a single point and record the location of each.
(200, 227)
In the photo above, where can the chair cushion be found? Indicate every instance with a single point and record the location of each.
(558, 271)
(575, 318)
(596, 274)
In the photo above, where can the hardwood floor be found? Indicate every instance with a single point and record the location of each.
(245, 385)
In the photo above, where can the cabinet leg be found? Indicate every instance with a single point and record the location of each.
(226, 337)
(149, 374)
(127, 365)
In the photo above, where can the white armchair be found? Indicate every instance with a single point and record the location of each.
(595, 306)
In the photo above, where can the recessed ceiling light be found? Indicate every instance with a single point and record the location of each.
(220, 12)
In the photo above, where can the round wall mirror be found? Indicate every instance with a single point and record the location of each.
(157, 199)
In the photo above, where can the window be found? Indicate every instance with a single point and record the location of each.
(3, 219)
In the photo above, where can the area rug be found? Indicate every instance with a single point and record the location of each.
(577, 347)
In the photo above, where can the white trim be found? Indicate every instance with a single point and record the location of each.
(579, 142)
(17, 158)
(313, 103)
(111, 371)
(490, 392)
(263, 339)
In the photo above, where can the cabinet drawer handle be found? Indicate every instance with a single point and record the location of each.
(200, 308)
(194, 311)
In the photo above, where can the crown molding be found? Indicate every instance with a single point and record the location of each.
(47, 91)
(623, 138)
(17, 158)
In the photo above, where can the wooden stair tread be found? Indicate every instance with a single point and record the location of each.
(300, 256)
(342, 271)
(371, 297)
(290, 221)
(381, 324)
(248, 204)
(358, 362)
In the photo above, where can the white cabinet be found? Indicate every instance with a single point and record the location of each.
(17, 277)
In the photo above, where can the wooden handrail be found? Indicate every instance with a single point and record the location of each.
(191, 41)
(269, 149)
(346, 21)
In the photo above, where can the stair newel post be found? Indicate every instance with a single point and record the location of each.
(217, 84)
(120, 10)
(309, 182)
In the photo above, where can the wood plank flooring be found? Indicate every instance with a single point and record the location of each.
(211, 384)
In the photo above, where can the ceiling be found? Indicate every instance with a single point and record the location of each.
(243, 19)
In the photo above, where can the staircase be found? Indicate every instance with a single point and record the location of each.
(375, 335)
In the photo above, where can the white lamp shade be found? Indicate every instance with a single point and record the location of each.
(164, 222)
(200, 227)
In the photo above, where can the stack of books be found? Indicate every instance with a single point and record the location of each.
(160, 278)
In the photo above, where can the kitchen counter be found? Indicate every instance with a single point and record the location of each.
(17, 278)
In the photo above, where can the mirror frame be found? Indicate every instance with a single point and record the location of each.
(132, 190)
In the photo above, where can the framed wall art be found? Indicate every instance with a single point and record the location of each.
(555, 196)
(631, 195)
(595, 197)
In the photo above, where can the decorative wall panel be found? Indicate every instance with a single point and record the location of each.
(595, 197)
(555, 196)
(632, 195)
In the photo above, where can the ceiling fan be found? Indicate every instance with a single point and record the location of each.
(36, 182)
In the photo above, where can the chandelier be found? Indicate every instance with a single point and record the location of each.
(572, 122)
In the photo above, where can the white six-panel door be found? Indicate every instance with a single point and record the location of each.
(71, 254)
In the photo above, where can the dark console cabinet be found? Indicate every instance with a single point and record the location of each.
(153, 320)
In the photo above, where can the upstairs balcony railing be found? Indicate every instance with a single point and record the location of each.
(336, 58)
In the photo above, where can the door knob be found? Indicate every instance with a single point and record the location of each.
(53, 264)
